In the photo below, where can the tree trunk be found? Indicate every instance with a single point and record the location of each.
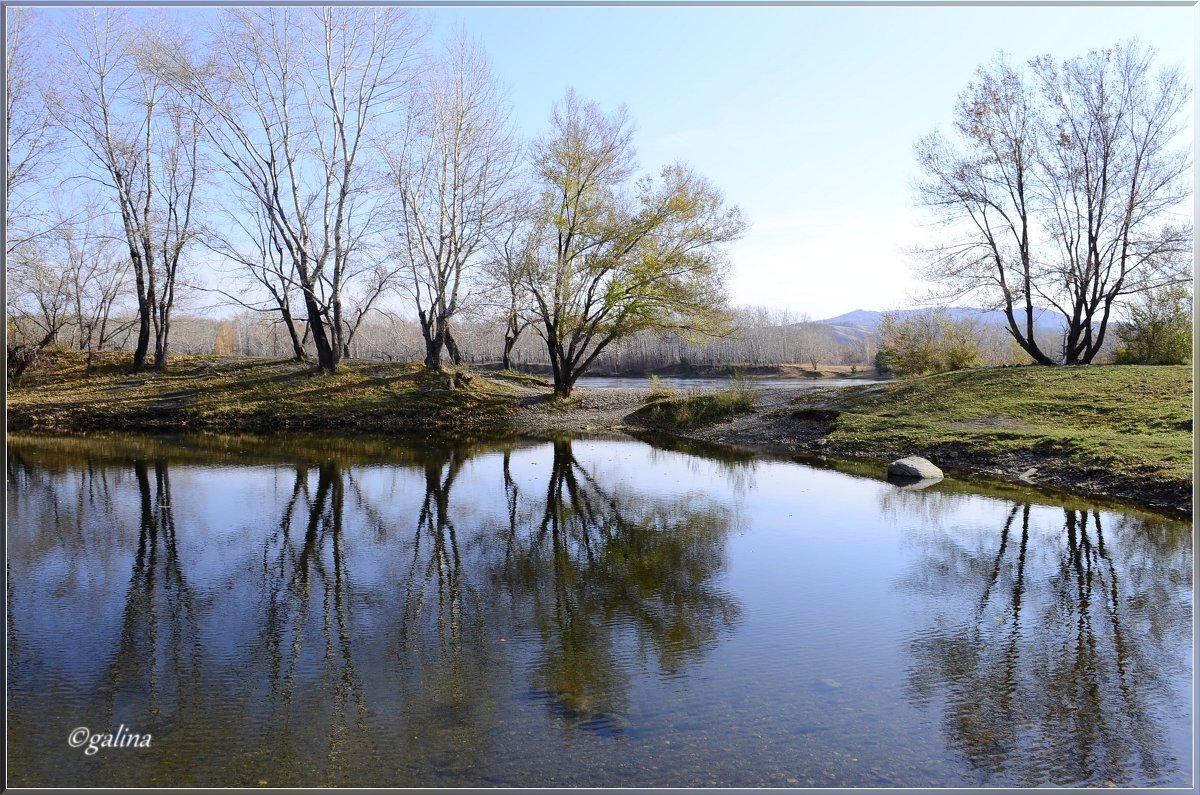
(452, 346)
(434, 334)
(162, 344)
(509, 342)
(433, 352)
(512, 333)
(327, 354)
(564, 375)
(337, 331)
(143, 339)
(297, 347)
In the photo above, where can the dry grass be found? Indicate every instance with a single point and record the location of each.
(223, 393)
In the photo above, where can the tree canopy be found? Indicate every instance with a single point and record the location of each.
(1060, 186)
(609, 261)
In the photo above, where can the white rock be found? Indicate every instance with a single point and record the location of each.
(913, 467)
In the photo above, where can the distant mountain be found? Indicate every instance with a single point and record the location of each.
(854, 326)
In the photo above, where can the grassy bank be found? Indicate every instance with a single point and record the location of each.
(671, 411)
(202, 393)
(1125, 431)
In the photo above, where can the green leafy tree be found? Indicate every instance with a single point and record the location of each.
(1159, 330)
(611, 262)
(930, 341)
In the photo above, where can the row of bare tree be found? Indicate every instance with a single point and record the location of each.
(327, 159)
(323, 167)
(760, 338)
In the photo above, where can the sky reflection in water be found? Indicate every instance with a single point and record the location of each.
(588, 612)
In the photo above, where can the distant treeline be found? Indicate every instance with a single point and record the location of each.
(761, 338)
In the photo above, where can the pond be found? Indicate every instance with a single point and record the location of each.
(586, 612)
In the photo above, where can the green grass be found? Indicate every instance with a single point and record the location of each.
(664, 410)
(219, 393)
(1128, 420)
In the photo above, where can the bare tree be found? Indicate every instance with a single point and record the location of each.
(512, 248)
(374, 281)
(97, 278)
(293, 96)
(450, 172)
(64, 288)
(1061, 190)
(1113, 171)
(32, 135)
(246, 236)
(144, 143)
(38, 301)
(984, 191)
(610, 264)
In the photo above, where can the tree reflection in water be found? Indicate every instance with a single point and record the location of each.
(1041, 680)
(601, 559)
(159, 657)
(307, 625)
(404, 615)
(446, 630)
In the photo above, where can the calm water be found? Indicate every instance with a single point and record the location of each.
(715, 384)
(588, 612)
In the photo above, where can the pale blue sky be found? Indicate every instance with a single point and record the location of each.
(804, 116)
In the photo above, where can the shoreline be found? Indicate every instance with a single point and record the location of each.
(771, 429)
(810, 424)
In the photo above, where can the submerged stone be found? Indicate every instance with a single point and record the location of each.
(827, 684)
(916, 485)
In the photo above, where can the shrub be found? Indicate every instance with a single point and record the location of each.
(929, 341)
(1159, 330)
(659, 390)
(700, 408)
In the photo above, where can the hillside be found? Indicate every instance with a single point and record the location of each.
(861, 323)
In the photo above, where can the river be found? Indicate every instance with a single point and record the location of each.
(577, 612)
(714, 384)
